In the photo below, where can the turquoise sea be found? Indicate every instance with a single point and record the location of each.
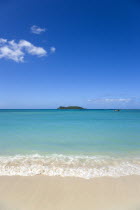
(81, 143)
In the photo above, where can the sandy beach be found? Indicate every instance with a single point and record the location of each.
(56, 193)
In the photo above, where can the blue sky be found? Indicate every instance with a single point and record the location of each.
(72, 52)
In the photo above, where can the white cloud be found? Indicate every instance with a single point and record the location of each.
(17, 51)
(110, 100)
(52, 49)
(117, 100)
(37, 30)
(3, 40)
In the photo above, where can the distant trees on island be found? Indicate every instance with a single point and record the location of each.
(70, 107)
(79, 107)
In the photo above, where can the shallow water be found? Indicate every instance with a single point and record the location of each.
(83, 143)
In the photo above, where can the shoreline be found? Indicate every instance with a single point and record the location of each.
(69, 193)
(79, 166)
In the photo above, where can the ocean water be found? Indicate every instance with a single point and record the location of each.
(80, 143)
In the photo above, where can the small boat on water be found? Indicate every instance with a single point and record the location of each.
(117, 110)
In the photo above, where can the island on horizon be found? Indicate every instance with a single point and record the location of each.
(70, 107)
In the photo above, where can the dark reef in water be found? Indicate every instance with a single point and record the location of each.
(70, 107)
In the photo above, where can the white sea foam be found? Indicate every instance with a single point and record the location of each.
(68, 166)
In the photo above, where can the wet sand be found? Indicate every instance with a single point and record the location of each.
(56, 193)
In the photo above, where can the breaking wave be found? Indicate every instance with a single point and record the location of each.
(68, 166)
